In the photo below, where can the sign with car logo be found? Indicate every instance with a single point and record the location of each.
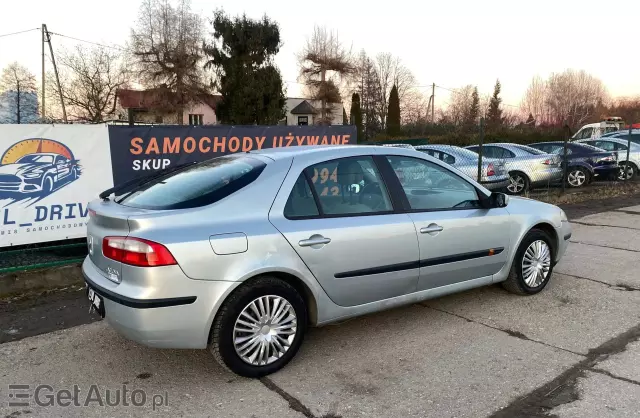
(48, 175)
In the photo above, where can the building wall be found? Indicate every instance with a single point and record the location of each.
(208, 114)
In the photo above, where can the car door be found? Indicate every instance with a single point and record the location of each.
(458, 239)
(339, 218)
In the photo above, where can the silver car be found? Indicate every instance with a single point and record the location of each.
(242, 253)
(493, 175)
(619, 146)
(527, 167)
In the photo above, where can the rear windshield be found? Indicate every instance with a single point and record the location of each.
(528, 149)
(197, 185)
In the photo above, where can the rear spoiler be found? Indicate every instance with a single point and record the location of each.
(131, 184)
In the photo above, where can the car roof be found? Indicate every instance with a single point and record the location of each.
(280, 153)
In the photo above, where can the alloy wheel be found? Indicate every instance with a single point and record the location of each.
(265, 330)
(625, 172)
(536, 263)
(516, 184)
(576, 178)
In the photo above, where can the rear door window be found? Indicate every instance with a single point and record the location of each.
(196, 185)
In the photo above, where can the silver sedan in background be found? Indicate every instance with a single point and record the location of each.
(527, 167)
(241, 253)
(494, 175)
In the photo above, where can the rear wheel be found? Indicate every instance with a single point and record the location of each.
(518, 183)
(259, 328)
(577, 177)
(532, 265)
(626, 172)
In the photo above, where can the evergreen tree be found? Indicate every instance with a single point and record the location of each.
(393, 113)
(345, 119)
(356, 115)
(494, 115)
(249, 82)
(531, 122)
(474, 109)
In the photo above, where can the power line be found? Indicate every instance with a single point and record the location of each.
(88, 42)
(17, 33)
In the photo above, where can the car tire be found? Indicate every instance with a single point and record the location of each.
(577, 177)
(631, 172)
(224, 332)
(518, 281)
(519, 183)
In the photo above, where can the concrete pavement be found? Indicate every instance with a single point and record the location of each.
(571, 351)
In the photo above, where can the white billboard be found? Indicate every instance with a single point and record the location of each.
(48, 175)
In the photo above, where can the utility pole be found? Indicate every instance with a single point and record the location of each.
(55, 70)
(433, 100)
(43, 79)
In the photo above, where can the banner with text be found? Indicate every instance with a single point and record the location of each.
(139, 151)
(48, 175)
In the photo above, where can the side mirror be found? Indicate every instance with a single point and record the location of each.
(496, 200)
(499, 200)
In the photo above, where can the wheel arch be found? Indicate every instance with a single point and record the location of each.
(549, 230)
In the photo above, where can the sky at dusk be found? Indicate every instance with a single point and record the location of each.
(451, 43)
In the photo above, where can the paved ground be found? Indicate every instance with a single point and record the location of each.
(571, 351)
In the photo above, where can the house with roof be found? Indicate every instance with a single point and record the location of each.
(152, 106)
(301, 111)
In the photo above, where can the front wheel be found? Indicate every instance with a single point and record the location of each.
(259, 328)
(532, 265)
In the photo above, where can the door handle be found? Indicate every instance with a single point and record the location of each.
(314, 240)
(431, 228)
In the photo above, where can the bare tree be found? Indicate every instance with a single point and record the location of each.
(414, 107)
(571, 96)
(390, 71)
(89, 79)
(166, 45)
(324, 64)
(534, 100)
(459, 105)
(19, 85)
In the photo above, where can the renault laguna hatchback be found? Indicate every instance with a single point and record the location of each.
(240, 254)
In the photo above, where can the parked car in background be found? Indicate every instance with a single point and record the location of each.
(585, 162)
(494, 173)
(627, 169)
(634, 136)
(527, 167)
(596, 130)
(241, 253)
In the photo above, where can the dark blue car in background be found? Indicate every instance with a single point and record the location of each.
(586, 162)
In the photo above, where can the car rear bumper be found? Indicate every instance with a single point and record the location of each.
(605, 171)
(177, 314)
(495, 184)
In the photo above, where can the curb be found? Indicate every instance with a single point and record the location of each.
(42, 279)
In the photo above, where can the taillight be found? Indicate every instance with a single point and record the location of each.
(547, 162)
(490, 170)
(137, 252)
(92, 213)
(607, 159)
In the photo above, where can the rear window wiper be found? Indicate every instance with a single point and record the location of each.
(132, 184)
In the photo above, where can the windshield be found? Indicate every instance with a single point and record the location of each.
(197, 185)
(35, 158)
(590, 147)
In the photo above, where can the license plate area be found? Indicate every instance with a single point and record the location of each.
(96, 301)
